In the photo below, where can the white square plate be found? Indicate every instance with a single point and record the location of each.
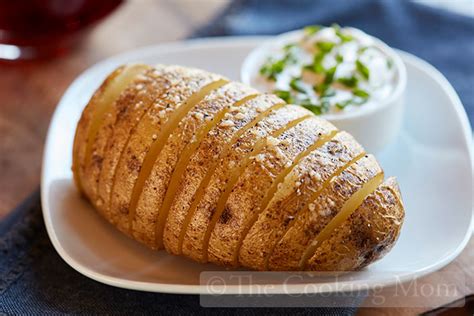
(431, 158)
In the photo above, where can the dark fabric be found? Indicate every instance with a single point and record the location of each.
(35, 280)
(444, 39)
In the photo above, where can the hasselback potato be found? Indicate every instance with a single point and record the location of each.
(185, 160)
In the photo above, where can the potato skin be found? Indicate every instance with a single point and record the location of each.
(294, 194)
(366, 236)
(245, 233)
(204, 159)
(312, 220)
(255, 181)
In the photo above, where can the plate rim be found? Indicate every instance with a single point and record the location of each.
(201, 289)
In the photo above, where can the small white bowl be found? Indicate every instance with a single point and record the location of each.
(374, 125)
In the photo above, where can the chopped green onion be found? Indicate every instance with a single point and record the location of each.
(316, 109)
(343, 104)
(311, 29)
(296, 84)
(389, 63)
(329, 92)
(344, 37)
(362, 69)
(271, 68)
(308, 67)
(285, 95)
(362, 49)
(288, 47)
(361, 93)
(290, 58)
(325, 46)
(316, 67)
(325, 105)
(349, 82)
(321, 88)
(318, 58)
(330, 75)
(297, 92)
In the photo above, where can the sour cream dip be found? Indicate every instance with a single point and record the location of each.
(339, 73)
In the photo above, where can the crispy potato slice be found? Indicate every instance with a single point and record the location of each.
(82, 128)
(255, 181)
(133, 81)
(294, 193)
(246, 125)
(314, 218)
(367, 235)
(145, 140)
(215, 105)
(136, 102)
(92, 119)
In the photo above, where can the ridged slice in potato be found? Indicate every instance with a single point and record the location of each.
(344, 213)
(313, 219)
(114, 102)
(215, 105)
(213, 184)
(151, 132)
(255, 180)
(246, 124)
(369, 233)
(82, 129)
(211, 204)
(92, 119)
(133, 103)
(185, 160)
(294, 193)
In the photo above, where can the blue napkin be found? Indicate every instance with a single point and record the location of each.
(35, 280)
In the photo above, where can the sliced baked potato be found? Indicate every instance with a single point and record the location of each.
(182, 159)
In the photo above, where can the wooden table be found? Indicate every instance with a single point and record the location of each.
(29, 94)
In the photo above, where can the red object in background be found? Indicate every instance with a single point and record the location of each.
(31, 29)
